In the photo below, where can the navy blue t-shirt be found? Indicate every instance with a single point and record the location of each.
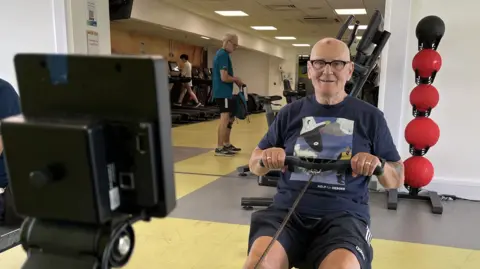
(9, 106)
(308, 129)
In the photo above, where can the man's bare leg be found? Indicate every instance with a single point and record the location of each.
(226, 140)
(276, 258)
(182, 95)
(222, 130)
(340, 258)
(192, 94)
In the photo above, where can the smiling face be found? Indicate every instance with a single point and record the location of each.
(329, 67)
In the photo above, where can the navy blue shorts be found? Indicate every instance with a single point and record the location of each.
(308, 241)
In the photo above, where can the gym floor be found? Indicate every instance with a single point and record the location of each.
(209, 229)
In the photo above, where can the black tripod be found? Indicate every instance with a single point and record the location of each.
(55, 244)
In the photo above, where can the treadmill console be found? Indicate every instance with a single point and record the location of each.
(174, 69)
(207, 73)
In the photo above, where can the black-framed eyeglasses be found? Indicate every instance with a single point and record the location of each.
(335, 64)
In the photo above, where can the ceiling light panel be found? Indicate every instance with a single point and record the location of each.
(353, 11)
(285, 37)
(264, 28)
(232, 13)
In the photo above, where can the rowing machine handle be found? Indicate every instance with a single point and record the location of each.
(333, 166)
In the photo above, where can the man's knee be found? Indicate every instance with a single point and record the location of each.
(276, 258)
(340, 259)
(224, 118)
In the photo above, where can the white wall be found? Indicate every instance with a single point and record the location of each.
(48, 26)
(35, 26)
(290, 67)
(275, 80)
(77, 26)
(394, 57)
(154, 11)
(253, 68)
(455, 157)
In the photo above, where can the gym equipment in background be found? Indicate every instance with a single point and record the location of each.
(364, 82)
(422, 132)
(202, 86)
(173, 79)
(270, 114)
(272, 177)
(368, 51)
(255, 104)
(344, 28)
(292, 95)
(192, 114)
(266, 103)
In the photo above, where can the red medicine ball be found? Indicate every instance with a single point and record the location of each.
(426, 62)
(422, 133)
(424, 96)
(419, 171)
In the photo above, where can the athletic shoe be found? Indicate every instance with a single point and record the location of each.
(177, 104)
(198, 105)
(224, 152)
(232, 148)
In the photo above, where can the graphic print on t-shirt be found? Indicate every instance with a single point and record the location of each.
(324, 138)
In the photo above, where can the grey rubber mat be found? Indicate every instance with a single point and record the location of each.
(413, 221)
(183, 153)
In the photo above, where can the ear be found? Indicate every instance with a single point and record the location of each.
(350, 70)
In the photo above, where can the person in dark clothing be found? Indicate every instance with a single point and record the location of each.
(9, 106)
(330, 226)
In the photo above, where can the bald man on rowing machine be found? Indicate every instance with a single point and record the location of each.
(330, 226)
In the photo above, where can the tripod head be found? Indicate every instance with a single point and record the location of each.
(90, 155)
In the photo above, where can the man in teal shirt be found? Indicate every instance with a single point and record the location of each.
(222, 83)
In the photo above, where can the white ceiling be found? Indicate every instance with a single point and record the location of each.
(289, 22)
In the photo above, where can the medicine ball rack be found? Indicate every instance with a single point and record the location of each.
(429, 31)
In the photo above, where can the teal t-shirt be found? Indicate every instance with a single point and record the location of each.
(222, 61)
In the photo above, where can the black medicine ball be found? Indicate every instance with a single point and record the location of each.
(430, 31)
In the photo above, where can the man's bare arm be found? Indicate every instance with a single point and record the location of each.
(226, 77)
(393, 175)
(1, 145)
(254, 163)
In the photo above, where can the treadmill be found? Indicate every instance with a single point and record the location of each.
(186, 113)
(198, 80)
